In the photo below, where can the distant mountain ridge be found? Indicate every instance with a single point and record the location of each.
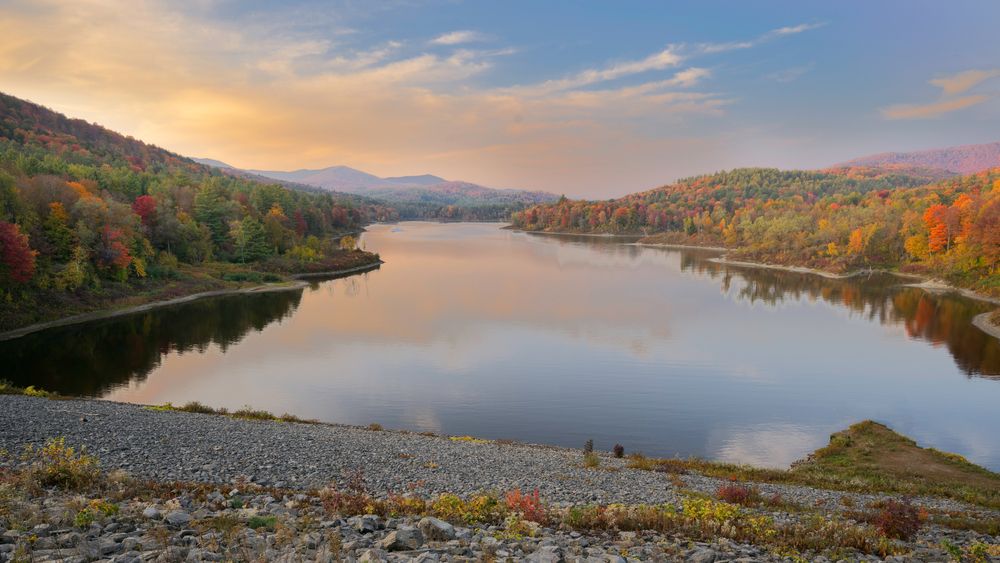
(965, 159)
(424, 195)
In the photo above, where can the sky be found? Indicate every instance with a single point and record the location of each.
(589, 99)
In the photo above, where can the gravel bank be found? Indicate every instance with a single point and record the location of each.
(220, 525)
(168, 445)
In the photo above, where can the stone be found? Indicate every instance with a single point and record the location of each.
(435, 529)
(367, 524)
(546, 554)
(371, 556)
(406, 538)
(702, 556)
(178, 518)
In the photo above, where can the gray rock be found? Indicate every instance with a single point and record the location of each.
(152, 513)
(546, 554)
(405, 538)
(702, 556)
(178, 518)
(371, 556)
(434, 529)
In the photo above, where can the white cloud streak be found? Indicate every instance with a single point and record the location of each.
(458, 38)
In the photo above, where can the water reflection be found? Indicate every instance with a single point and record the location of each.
(940, 318)
(91, 360)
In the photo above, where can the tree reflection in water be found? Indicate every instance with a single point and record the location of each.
(90, 359)
(940, 318)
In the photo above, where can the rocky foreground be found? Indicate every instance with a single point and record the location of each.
(203, 487)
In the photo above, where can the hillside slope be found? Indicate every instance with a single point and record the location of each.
(91, 219)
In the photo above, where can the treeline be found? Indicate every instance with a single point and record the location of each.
(836, 220)
(81, 205)
(466, 212)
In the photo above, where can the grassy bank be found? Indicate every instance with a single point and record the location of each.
(868, 457)
(40, 306)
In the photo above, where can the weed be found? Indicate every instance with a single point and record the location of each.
(354, 499)
(96, 510)
(639, 461)
(196, 407)
(468, 439)
(588, 446)
(59, 465)
(591, 460)
(739, 494)
(618, 450)
(249, 413)
(375, 426)
(266, 522)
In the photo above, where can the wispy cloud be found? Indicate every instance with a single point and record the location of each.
(935, 109)
(711, 48)
(458, 38)
(660, 60)
(963, 81)
(951, 86)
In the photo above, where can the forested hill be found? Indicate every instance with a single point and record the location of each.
(82, 207)
(840, 219)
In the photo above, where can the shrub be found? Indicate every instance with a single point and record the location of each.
(528, 506)
(59, 465)
(619, 451)
(897, 519)
(738, 494)
(588, 446)
(591, 460)
(375, 426)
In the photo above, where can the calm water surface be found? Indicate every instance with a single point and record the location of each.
(469, 329)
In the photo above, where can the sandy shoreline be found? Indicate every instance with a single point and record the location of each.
(108, 314)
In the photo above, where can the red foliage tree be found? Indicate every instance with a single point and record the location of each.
(145, 207)
(16, 256)
(112, 251)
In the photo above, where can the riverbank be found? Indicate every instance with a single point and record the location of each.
(240, 282)
(250, 473)
(988, 323)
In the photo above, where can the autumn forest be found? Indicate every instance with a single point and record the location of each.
(840, 220)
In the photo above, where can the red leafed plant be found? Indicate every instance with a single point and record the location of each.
(16, 256)
(898, 519)
(528, 505)
(738, 494)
